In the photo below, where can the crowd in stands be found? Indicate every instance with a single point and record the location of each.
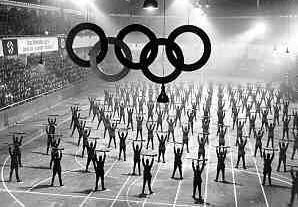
(23, 79)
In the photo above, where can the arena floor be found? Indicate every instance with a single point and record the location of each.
(242, 189)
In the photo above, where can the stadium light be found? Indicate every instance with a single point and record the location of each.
(150, 5)
(260, 28)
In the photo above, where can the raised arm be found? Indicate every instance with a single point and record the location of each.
(203, 166)
(193, 166)
(158, 137)
(133, 146)
(94, 147)
(272, 157)
(245, 142)
(292, 174)
(151, 164)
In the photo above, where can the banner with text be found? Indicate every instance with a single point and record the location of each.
(29, 45)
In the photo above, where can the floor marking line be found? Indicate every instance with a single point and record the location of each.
(207, 177)
(154, 179)
(233, 173)
(178, 190)
(46, 179)
(119, 192)
(259, 177)
(25, 143)
(95, 198)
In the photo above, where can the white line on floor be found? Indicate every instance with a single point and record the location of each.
(233, 174)
(259, 177)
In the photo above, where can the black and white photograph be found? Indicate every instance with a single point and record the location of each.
(148, 103)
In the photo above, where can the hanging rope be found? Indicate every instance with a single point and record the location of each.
(164, 35)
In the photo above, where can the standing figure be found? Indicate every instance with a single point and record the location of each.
(112, 134)
(85, 140)
(201, 151)
(178, 115)
(191, 117)
(139, 126)
(107, 124)
(136, 157)
(122, 144)
(185, 132)
(221, 156)
(91, 155)
(252, 124)
(286, 121)
(270, 134)
(241, 152)
(161, 147)
(265, 119)
(282, 155)
(100, 172)
(129, 118)
(14, 164)
(55, 145)
(295, 145)
(150, 128)
(170, 129)
(276, 109)
(17, 144)
(197, 179)
(57, 168)
(259, 135)
(221, 136)
(267, 167)
(178, 161)
(122, 112)
(51, 132)
(147, 175)
(159, 120)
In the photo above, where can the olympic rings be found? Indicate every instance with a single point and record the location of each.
(70, 38)
(177, 62)
(206, 41)
(148, 54)
(93, 59)
(149, 34)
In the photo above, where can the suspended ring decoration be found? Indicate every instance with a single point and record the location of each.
(148, 54)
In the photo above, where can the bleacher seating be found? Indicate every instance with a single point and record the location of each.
(20, 80)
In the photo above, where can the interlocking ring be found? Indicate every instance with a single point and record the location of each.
(154, 50)
(93, 59)
(206, 41)
(176, 62)
(71, 36)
